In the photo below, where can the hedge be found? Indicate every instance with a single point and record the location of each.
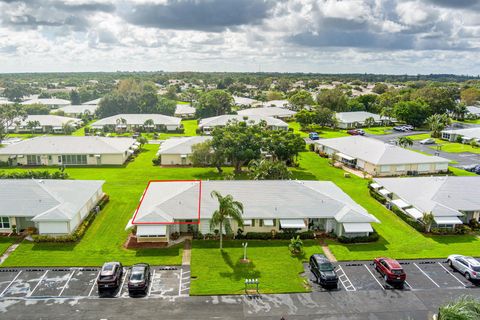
(372, 237)
(412, 222)
(378, 197)
(79, 232)
(275, 236)
(33, 175)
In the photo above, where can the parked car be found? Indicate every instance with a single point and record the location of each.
(323, 270)
(399, 128)
(356, 132)
(391, 270)
(427, 141)
(361, 132)
(408, 127)
(313, 136)
(110, 278)
(139, 279)
(468, 266)
(471, 167)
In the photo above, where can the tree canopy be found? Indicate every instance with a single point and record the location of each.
(214, 103)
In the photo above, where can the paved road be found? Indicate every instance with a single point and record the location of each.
(462, 159)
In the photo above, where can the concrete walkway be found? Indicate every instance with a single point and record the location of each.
(8, 252)
(327, 252)
(187, 252)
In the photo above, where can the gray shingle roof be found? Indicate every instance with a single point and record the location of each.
(377, 152)
(69, 145)
(182, 145)
(185, 109)
(357, 116)
(267, 112)
(49, 120)
(48, 102)
(223, 120)
(80, 108)
(472, 133)
(138, 119)
(287, 199)
(52, 200)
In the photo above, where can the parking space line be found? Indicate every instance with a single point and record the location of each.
(347, 288)
(448, 271)
(10, 284)
(151, 283)
(41, 279)
(123, 282)
(66, 284)
(94, 283)
(369, 271)
(181, 278)
(408, 284)
(426, 275)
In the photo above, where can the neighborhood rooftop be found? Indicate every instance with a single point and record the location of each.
(357, 116)
(287, 199)
(181, 145)
(224, 119)
(267, 112)
(48, 102)
(68, 145)
(77, 109)
(184, 109)
(138, 119)
(49, 120)
(376, 151)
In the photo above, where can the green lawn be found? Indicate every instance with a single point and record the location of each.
(398, 239)
(378, 130)
(6, 242)
(447, 146)
(324, 133)
(190, 127)
(103, 240)
(216, 272)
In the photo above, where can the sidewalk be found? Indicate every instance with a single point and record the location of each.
(327, 252)
(187, 252)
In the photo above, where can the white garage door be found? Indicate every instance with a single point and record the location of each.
(52, 228)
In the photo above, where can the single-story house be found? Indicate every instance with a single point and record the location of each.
(53, 207)
(69, 150)
(177, 151)
(355, 119)
(78, 110)
(473, 111)
(243, 101)
(185, 111)
(93, 102)
(452, 200)
(276, 112)
(4, 101)
(47, 124)
(380, 159)
(206, 125)
(53, 103)
(269, 206)
(276, 103)
(130, 122)
(466, 135)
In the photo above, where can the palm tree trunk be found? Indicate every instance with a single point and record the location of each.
(221, 235)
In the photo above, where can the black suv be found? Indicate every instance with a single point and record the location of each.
(139, 279)
(323, 270)
(110, 278)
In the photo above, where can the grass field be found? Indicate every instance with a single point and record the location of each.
(324, 132)
(6, 242)
(216, 272)
(447, 146)
(378, 130)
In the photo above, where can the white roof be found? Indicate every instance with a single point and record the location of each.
(92, 102)
(80, 108)
(48, 102)
(146, 230)
(138, 119)
(357, 227)
(357, 116)
(276, 103)
(414, 213)
(185, 109)
(377, 152)
(267, 112)
(472, 133)
(375, 185)
(69, 145)
(384, 192)
(400, 203)
(448, 220)
(266, 199)
(223, 120)
(444, 196)
(49, 120)
(182, 145)
(292, 223)
(45, 200)
(473, 110)
(242, 101)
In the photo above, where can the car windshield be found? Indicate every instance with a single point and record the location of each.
(326, 267)
(107, 268)
(136, 276)
(397, 271)
(477, 269)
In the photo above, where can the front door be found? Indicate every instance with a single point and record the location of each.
(24, 223)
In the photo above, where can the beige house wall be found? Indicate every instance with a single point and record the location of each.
(52, 159)
(174, 159)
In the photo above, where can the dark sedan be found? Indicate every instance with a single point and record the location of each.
(323, 270)
(139, 279)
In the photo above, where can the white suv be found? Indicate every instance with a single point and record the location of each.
(468, 266)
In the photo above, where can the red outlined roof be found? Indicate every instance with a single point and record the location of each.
(174, 222)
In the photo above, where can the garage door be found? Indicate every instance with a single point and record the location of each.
(52, 228)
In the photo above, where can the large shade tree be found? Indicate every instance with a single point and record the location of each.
(10, 115)
(228, 209)
(214, 103)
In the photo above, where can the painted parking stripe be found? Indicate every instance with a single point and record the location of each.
(10, 284)
(66, 284)
(38, 283)
(123, 282)
(408, 284)
(448, 271)
(349, 286)
(426, 275)
(94, 283)
(181, 278)
(151, 283)
(369, 271)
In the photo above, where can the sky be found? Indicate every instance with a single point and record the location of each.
(324, 36)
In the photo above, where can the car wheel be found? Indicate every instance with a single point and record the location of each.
(385, 277)
(450, 263)
(467, 276)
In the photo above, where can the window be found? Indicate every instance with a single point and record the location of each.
(33, 159)
(253, 222)
(4, 223)
(384, 168)
(75, 159)
(401, 168)
(424, 167)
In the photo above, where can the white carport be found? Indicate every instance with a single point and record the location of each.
(384, 192)
(414, 213)
(400, 203)
(357, 227)
(151, 230)
(375, 186)
(448, 220)
(292, 223)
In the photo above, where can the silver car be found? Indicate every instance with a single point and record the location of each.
(468, 266)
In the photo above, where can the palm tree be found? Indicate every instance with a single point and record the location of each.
(428, 218)
(67, 127)
(460, 111)
(464, 308)
(438, 122)
(228, 208)
(121, 121)
(404, 142)
(32, 125)
(369, 122)
(148, 124)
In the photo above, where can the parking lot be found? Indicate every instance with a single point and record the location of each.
(81, 282)
(421, 275)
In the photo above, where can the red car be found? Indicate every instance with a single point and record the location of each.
(391, 270)
(356, 132)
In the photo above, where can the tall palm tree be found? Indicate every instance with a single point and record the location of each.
(404, 142)
(228, 209)
(32, 125)
(67, 127)
(369, 122)
(148, 124)
(121, 121)
(428, 218)
(438, 122)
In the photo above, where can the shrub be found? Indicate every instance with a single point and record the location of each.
(412, 222)
(156, 161)
(34, 175)
(462, 229)
(275, 236)
(377, 197)
(296, 245)
(311, 147)
(372, 237)
(474, 225)
(174, 236)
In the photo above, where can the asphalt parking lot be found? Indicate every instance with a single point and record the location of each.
(81, 282)
(421, 275)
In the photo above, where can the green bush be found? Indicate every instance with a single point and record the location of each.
(373, 237)
(462, 229)
(377, 197)
(277, 236)
(473, 224)
(34, 175)
(412, 222)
